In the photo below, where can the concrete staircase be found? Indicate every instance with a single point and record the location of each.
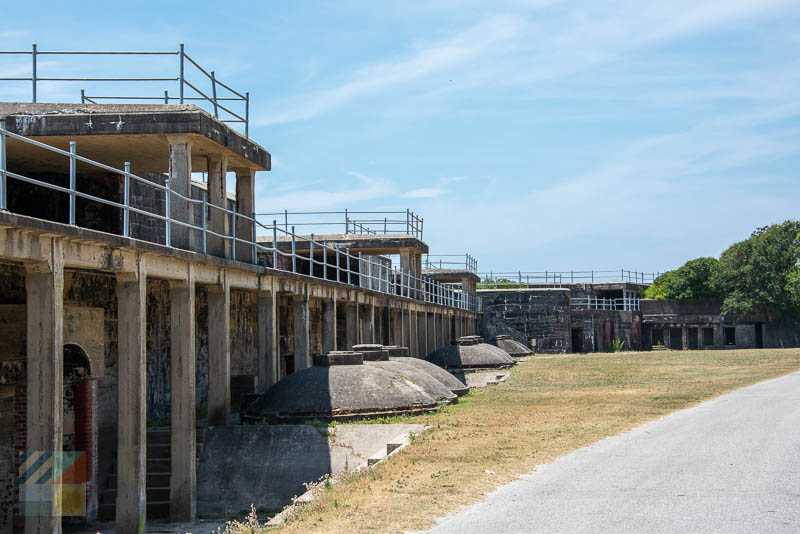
(158, 475)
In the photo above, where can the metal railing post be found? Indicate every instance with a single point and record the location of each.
(347, 255)
(72, 179)
(255, 242)
(214, 94)
(204, 219)
(233, 232)
(346, 222)
(3, 170)
(294, 256)
(166, 97)
(33, 72)
(126, 200)
(247, 114)
(274, 244)
(181, 71)
(325, 259)
(311, 256)
(83, 96)
(168, 232)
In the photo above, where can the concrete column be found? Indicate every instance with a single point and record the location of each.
(219, 354)
(329, 325)
(302, 337)
(44, 286)
(397, 327)
(368, 323)
(684, 337)
(218, 221)
(183, 480)
(413, 326)
(132, 402)
(431, 320)
(440, 329)
(405, 318)
(386, 330)
(458, 326)
(180, 181)
(351, 324)
(245, 204)
(268, 346)
(422, 334)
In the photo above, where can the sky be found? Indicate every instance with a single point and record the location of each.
(532, 134)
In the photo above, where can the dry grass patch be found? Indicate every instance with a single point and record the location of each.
(548, 408)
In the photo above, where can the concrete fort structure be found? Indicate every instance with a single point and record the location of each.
(137, 305)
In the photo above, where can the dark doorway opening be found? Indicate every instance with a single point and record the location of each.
(676, 338)
(692, 339)
(730, 335)
(708, 337)
(759, 338)
(577, 340)
(657, 337)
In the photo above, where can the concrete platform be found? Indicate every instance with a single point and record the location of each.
(115, 133)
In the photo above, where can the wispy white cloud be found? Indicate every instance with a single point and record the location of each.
(425, 192)
(428, 59)
(363, 188)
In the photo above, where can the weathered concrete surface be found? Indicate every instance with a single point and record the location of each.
(115, 133)
(340, 392)
(429, 384)
(727, 465)
(454, 384)
(514, 348)
(267, 465)
(471, 353)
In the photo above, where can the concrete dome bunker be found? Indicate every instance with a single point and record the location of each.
(339, 387)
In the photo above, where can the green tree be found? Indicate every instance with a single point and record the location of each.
(760, 275)
(691, 281)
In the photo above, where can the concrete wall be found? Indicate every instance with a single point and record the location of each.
(542, 315)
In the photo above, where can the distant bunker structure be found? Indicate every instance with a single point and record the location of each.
(514, 348)
(471, 353)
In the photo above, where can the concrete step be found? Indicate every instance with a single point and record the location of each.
(158, 494)
(155, 510)
(154, 480)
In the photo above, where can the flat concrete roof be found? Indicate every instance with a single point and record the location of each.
(374, 244)
(450, 275)
(115, 133)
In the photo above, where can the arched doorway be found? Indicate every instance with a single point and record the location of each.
(80, 431)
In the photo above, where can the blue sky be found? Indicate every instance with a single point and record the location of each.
(533, 134)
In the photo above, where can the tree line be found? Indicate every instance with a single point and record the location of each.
(758, 276)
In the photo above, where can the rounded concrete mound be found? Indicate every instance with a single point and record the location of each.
(514, 348)
(455, 385)
(470, 352)
(339, 386)
(424, 380)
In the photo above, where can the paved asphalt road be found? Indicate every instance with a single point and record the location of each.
(729, 465)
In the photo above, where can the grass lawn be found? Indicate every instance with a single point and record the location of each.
(548, 407)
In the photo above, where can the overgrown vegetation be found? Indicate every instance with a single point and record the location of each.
(759, 276)
(547, 408)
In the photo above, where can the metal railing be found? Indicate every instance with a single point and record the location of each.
(321, 261)
(220, 103)
(630, 303)
(450, 261)
(355, 222)
(514, 279)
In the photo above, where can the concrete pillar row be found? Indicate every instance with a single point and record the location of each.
(302, 334)
(180, 181)
(44, 287)
(246, 205)
(329, 325)
(218, 221)
(431, 332)
(268, 340)
(413, 326)
(132, 402)
(219, 354)
(351, 325)
(183, 479)
(368, 322)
